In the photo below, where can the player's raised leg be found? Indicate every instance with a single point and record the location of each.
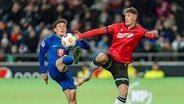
(76, 54)
(100, 59)
(123, 91)
(62, 62)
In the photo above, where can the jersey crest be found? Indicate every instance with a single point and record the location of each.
(60, 52)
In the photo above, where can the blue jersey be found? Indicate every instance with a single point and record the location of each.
(52, 46)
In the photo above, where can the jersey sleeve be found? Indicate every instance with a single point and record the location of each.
(43, 49)
(110, 29)
(143, 32)
(92, 33)
(83, 44)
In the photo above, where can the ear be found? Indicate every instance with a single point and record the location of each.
(135, 17)
(54, 29)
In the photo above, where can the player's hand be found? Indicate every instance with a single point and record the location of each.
(154, 33)
(76, 33)
(45, 77)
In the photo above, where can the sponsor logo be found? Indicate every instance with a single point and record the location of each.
(5, 72)
(27, 75)
(60, 52)
(55, 46)
(124, 35)
(141, 96)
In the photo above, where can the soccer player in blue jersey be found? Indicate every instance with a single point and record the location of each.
(58, 59)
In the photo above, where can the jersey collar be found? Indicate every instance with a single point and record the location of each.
(130, 28)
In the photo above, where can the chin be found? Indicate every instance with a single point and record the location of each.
(127, 24)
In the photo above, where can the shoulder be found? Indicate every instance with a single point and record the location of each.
(116, 25)
(141, 28)
(49, 39)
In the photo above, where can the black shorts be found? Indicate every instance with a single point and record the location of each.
(118, 70)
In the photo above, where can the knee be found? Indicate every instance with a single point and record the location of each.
(67, 60)
(123, 92)
(72, 98)
(102, 58)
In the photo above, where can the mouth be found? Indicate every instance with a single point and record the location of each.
(62, 32)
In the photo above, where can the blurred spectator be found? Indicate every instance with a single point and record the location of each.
(102, 44)
(178, 44)
(83, 72)
(5, 45)
(18, 15)
(132, 72)
(16, 36)
(154, 72)
(32, 40)
(93, 50)
(166, 48)
(101, 73)
(11, 57)
(2, 58)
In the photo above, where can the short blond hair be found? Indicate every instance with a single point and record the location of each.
(131, 10)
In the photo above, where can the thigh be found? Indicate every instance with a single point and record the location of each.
(54, 73)
(119, 72)
(67, 82)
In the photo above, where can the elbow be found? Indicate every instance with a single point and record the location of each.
(88, 47)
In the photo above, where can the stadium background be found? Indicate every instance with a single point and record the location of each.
(24, 23)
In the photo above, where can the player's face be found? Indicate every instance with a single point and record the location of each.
(60, 29)
(130, 19)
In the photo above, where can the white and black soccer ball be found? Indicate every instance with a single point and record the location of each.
(68, 40)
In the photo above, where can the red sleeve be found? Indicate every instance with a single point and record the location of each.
(97, 32)
(110, 29)
(143, 31)
(151, 34)
(93, 33)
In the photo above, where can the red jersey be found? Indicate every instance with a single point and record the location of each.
(124, 40)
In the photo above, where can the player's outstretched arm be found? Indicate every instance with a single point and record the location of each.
(43, 71)
(151, 34)
(90, 33)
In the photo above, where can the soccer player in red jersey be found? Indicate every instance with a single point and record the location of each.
(125, 38)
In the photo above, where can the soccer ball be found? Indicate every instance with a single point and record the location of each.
(68, 40)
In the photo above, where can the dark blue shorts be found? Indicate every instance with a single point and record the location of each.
(65, 80)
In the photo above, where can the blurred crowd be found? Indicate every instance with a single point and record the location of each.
(24, 23)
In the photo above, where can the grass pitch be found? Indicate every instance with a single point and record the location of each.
(96, 91)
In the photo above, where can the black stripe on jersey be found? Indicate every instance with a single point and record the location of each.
(107, 29)
(145, 33)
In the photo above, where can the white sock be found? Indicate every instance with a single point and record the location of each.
(92, 67)
(120, 100)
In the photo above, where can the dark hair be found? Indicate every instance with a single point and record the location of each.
(60, 20)
(131, 10)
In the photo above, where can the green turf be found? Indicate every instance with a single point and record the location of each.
(96, 91)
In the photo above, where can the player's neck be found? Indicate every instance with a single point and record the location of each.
(131, 26)
(59, 35)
